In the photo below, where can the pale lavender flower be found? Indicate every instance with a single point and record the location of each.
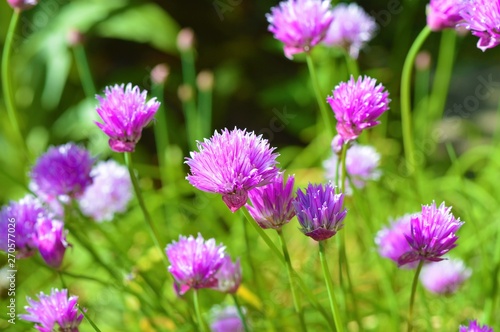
(232, 163)
(482, 18)
(320, 211)
(337, 144)
(22, 4)
(357, 106)
(300, 24)
(433, 234)
(109, 194)
(444, 277)
(391, 241)
(125, 113)
(54, 312)
(271, 205)
(362, 162)
(226, 320)
(443, 14)
(351, 28)
(51, 241)
(474, 326)
(17, 223)
(62, 170)
(229, 276)
(194, 263)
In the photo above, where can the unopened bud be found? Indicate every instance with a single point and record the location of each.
(205, 80)
(185, 92)
(160, 73)
(423, 60)
(185, 39)
(75, 37)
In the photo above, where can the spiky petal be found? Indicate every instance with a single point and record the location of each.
(444, 14)
(474, 326)
(482, 18)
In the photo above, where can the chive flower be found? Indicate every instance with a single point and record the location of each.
(444, 14)
(51, 241)
(226, 319)
(474, 326)
(482, 18)
(444, 277)
(229, 276)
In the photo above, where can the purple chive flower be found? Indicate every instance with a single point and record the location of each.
(272, 204)
(17, 223)
(194, 263)
(226, 320)
(125, 113)
(362, 163)
(444, 277)
(229, 276)
(54, 312)
(474, 326)
(443, 14)
(351, 28)
(300, 24)
(22, 4)
(110, 192)
(391, 241)
(357, 106)
(232, 163)
(320, 211)
(51, 241)
(482, 17)
(62, 170)
(433, 234)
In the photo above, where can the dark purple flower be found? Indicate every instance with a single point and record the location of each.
(482, 18)
(443, 14)
(474, 326)
(17, 223)
(226, 320)
(300, 24)
(357, 106)
(194, 263)
(22, 4)
(54, 312)
(232, 163)
(433, 234)
(320, 211)
(62, 170)
(51, 241)
(125, 113)
(229, 276)
(391, 241)
(351, 28)
(272, 204)
(444, 277)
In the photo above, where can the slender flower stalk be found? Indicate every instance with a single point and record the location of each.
(329, 286)
(240, 313)
(149, 222)
(406, 100)
(289, 269)
(84, 70)
(199, 318)
(87, 317)
(412, 296)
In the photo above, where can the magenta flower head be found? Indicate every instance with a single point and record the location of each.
(232, 163)
(226, 320)
(272, 204)
(54, 312)
(443, 14)
(113, 187)
(51, 241)
(357, 106)
(433, 234)
(482, 18)
(351, 28)
(17, 226)
(22, 4)
(444, 277)
(300, 24)
(474, 326)
(125, 113)
(391, 241)
(194, 263)
(320, 211)
(62, 170)
(229, 276)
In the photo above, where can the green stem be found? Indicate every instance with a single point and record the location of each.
(189, 105)
(343, 159)
(201, 323)
(240, 313)
(84, 70)
(289, 270)
(90, 320)
(205, 112)
(352, 65)
(406, 99)
(321, 100)
(329, 286)
(490, 305)
(7, 82)
(413, 292)
(147, 217)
